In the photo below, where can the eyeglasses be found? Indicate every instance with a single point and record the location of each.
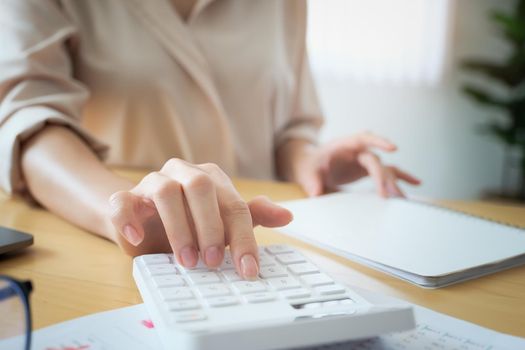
(15, 315)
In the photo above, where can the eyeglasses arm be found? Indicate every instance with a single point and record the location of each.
(8, 291)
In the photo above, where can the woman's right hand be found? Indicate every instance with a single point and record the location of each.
(200, 212)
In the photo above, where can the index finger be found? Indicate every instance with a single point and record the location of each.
(237, 221)
(239, 232)
(372, 164)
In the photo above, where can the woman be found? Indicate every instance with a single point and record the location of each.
(201, 90)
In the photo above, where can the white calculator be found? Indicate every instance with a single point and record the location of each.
(293, 304)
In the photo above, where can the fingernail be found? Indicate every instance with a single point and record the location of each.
(249, 267)
(189, 257)
(132, 235)
(213, 256)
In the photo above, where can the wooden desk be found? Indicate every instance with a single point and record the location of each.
(76, 273)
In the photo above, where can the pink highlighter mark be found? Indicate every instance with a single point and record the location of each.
(147, 324)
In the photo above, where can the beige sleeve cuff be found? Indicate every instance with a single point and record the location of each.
(303, 129)
(20, 127)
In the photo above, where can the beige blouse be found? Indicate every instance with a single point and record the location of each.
(228, 85)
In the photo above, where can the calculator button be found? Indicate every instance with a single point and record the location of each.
(296, 293)
(303, 269)
(330, 289)
(266, 260)
(189, 316)
(204, 277)
(162, 269)
(183, 305)
(290, 258)
(152, 259)
(317, 279)
(200, 266)
(227, 263)
(283, 283)
(175, 293)
(259, 297)
(222, 301)
(231, 275)
(272, 271)
(278, 249)
(213, 290)
(168, 281)
(244, 287)
(262, 251)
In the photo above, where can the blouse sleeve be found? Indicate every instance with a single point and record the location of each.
(306, 118)
(36, 83)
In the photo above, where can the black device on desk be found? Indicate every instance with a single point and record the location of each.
(11, 240)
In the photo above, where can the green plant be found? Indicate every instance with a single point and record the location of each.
(511, 73)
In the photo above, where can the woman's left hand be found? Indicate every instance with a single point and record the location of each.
(346, 160)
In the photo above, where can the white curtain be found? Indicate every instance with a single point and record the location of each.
(389, 42)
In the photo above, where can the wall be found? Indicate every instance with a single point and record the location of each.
(434, 127)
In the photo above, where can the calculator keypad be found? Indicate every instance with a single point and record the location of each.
(176, 293)
(153, 259)
(260, 297)
(316, 279)
(222, 301)
(279, 249)
(162, 269)
(265, 260)
(290, 258)
(213, 290)
(244, 287)
(296, 293)
(283, 283)
(272, 271)
(303, 269)
(231, 276)
(285, 274)
(203, 277)
(168, 281)
(330, 289)
(183, 305)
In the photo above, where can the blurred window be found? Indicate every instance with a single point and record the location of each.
(393, 42)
